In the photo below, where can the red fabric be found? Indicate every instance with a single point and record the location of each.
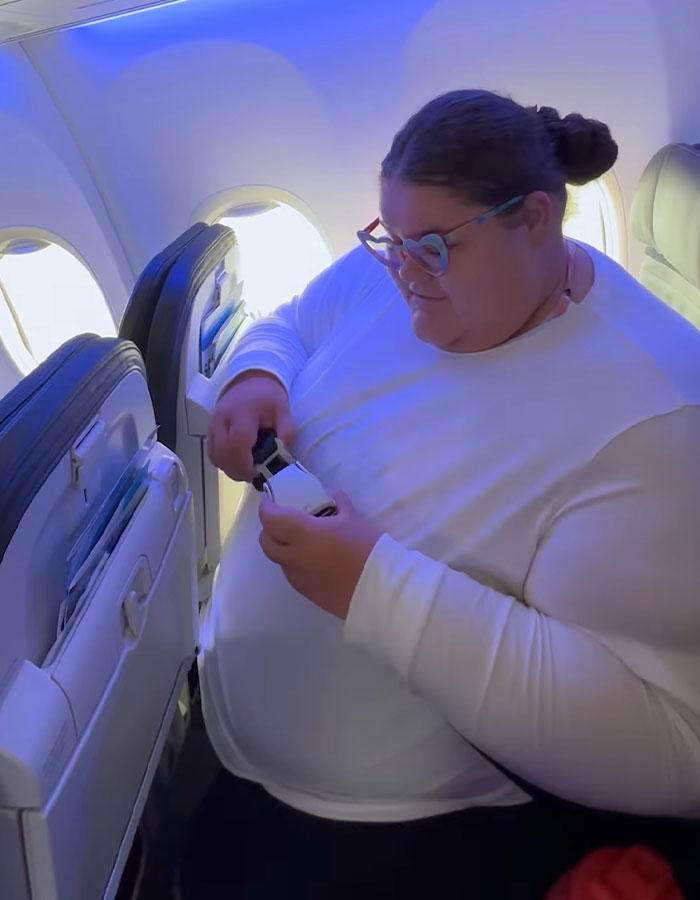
(616, 873)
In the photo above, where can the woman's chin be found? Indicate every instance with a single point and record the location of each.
(430, 331)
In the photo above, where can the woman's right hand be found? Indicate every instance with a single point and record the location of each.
(254, 400)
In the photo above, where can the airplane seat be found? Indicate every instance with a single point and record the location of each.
(185, 314)
(665, 217)
(138, 315)
(185, 324)
(98, 582)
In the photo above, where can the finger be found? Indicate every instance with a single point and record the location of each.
(278, 553)
(215, 424)
(211, 446)
(285, 429)
(342, 501)
(240, 437)
(283, 523)
(216, 451)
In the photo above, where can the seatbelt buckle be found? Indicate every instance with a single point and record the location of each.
(285, 480)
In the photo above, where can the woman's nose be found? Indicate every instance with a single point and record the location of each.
(411, 272)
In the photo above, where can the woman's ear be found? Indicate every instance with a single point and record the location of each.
(537, 214)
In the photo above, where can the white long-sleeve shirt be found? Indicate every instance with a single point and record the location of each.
(536, 591)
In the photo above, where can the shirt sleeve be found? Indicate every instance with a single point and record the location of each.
(543, 683)
(282, 342)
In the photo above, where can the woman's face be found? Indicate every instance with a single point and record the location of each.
(493, 282)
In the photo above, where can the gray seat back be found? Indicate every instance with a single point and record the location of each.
(665, 217)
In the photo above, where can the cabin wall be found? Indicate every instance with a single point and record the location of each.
(174, 106)
(678, 27)
(45, 183)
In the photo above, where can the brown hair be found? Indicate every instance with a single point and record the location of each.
(488, 149)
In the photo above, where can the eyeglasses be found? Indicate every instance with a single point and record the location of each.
(430, 252)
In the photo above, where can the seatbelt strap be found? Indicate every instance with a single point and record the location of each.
(268, 456)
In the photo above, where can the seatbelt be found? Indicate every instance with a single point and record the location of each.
(266, 453)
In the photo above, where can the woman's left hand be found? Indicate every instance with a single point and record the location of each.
(322, 558)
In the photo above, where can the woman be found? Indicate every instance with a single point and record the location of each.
(511, 585)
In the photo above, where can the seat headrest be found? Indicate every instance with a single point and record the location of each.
(665, 212)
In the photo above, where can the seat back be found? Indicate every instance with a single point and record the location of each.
(665, 216)
(97, 583)
(138, 315)
(195, 314)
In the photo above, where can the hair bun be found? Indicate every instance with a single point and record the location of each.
(584, 148)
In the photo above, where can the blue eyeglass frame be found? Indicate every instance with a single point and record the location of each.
(433, 241)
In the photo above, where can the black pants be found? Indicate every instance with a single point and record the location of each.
(243, 843)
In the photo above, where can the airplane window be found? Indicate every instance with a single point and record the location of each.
(47, 296)
(591, 217)
(280, 252)
(12, 337)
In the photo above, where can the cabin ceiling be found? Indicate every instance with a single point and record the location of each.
(22, 18)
